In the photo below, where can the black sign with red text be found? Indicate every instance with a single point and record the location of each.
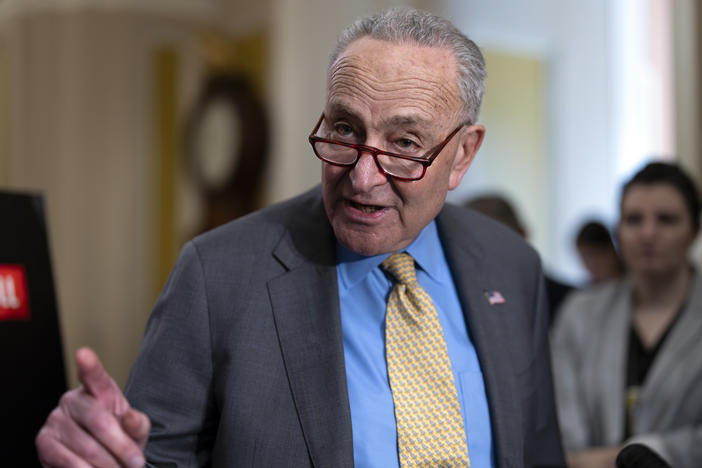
(14, 298)
(32, 373)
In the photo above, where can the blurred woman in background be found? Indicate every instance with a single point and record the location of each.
(628, 353)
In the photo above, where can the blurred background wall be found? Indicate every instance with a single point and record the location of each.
(98, 97)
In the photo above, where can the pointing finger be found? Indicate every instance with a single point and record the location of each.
(91, 373)
(98, 383)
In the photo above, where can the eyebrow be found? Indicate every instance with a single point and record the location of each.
(406, 120)
(416, 122)
(339, 110)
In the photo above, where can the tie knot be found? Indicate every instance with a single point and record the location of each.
(401, 266)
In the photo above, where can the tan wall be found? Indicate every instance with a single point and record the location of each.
(80, 130)
(687, 18)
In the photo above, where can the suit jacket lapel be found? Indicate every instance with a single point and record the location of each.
(306, 311)
(472, 277)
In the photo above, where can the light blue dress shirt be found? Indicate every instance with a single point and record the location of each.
(363, 292)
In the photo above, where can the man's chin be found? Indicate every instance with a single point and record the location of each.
(366, 243)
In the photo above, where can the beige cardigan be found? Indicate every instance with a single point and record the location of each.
(589, 351)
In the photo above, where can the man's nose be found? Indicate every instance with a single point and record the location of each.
(366, 174)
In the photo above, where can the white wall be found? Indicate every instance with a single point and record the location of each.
(572, 40)
(610, 103)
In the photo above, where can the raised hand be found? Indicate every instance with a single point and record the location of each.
(93, 425)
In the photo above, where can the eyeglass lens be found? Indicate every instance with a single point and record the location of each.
(340, 154)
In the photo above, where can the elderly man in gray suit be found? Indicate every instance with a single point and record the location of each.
(292, 337)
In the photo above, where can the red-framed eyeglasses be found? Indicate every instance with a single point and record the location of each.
(398, 166)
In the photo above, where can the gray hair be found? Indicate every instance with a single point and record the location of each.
(407, 25)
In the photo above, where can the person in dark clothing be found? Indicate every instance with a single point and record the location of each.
(597, 252)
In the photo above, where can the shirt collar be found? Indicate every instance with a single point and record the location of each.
(425, 249)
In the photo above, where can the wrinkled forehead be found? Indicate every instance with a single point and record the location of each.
(375, 73)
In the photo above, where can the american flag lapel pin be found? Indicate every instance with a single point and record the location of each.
(494, 297)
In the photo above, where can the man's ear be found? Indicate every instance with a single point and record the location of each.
(470, 140)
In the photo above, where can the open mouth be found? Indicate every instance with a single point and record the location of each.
(366, 208)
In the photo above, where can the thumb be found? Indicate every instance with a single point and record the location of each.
(98, 383)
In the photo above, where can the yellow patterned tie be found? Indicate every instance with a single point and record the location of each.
(430, 430)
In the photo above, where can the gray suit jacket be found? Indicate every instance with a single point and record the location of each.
(590, 345)
(242, 363)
